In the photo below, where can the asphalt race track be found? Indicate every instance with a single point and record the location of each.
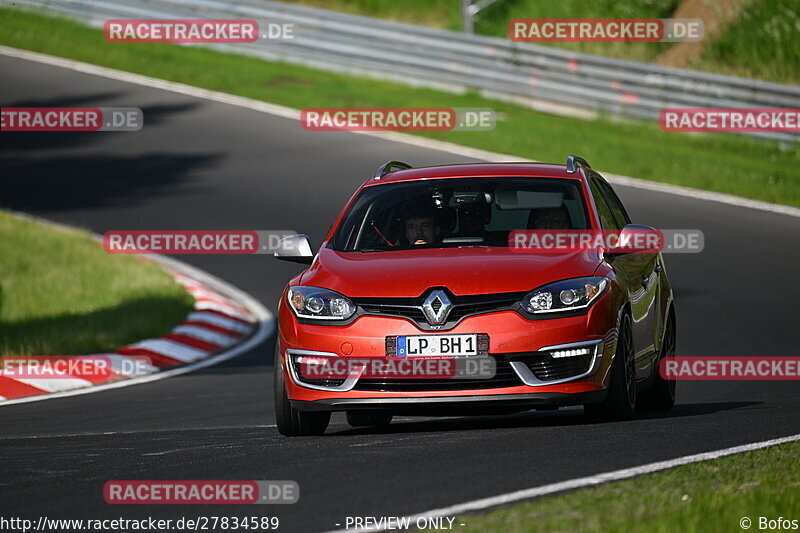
(203, 165)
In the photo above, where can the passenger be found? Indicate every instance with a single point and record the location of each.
(552, 218)
(473, 219)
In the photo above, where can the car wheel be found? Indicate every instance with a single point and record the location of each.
(292, 422)
(620, 401)
(368, 419)
(661, 396)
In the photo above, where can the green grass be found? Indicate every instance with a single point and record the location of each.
(726, 163)
(62, 294)
(711, 496)
(761, 44)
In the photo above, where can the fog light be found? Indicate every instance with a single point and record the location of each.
(571, 353)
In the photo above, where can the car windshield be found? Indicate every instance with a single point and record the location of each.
(460, 212)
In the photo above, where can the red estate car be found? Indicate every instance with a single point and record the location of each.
(419, 262)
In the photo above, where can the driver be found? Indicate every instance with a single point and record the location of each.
(422, 228)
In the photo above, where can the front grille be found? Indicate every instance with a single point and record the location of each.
(547, 368)
(481, 307)
(504, 377)
(463, 306)
(412, 313)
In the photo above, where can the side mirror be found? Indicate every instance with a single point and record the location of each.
(637, 238)
(295, 248)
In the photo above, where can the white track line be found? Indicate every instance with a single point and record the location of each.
(583, 482)
(294, 114)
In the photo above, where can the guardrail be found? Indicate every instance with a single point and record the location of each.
(455, 61)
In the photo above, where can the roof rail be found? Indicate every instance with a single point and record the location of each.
(390, 166)
(573, 161)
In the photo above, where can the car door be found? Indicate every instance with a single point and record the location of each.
(637, 273)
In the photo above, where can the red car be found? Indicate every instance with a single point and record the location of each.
(419, 263)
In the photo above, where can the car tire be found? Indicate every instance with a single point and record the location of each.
(620, 401)
(293, 422)
(661, 395)
(368, 419)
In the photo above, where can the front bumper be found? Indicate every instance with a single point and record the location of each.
(451, 405)
(510, 335)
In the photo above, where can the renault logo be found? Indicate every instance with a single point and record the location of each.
(436, 307)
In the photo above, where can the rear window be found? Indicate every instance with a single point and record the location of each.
(446, 213)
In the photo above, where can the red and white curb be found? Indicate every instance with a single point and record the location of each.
(224, 323)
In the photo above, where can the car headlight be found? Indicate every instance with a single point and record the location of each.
(320, 304)
(566, 295)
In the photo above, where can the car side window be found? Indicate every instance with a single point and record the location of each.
(615, 204)
(606, 217)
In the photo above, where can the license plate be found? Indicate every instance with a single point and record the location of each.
(426, 345)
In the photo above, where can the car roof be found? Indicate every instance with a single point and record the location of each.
(469, 170)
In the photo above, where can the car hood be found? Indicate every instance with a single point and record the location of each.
(474, 270)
